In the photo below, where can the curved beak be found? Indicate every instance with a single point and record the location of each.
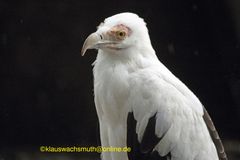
(91, 42)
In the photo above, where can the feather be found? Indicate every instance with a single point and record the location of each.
(214, 134)
(150, 139)
(143, 150)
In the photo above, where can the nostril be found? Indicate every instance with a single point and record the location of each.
(101, 36)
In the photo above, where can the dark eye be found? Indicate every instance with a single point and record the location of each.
(122, 34)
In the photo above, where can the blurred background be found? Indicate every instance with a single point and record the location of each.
(46, 95)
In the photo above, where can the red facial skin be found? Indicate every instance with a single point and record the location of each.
(119, 32)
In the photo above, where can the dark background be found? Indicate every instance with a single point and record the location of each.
(47, 87)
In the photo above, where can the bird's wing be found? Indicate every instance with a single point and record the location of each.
(215, 137)
(165, 114)
(154, 104)
(143, 150)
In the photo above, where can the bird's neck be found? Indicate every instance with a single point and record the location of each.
(136, 55)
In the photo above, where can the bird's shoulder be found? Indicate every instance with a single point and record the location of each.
(158, 85)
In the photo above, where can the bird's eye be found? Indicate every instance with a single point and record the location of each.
(121, 34)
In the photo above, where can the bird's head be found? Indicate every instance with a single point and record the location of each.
(118, 33)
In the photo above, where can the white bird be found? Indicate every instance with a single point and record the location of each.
(140, 103)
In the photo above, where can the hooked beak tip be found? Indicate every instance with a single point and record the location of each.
(90, 42)
(83, 52)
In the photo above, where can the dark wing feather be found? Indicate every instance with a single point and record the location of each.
(150, 139)
(132, 140)
(215, 137)
(143, 150)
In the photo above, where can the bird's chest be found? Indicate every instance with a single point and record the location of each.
(111, 89)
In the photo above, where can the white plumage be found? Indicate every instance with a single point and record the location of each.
(129, 79)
